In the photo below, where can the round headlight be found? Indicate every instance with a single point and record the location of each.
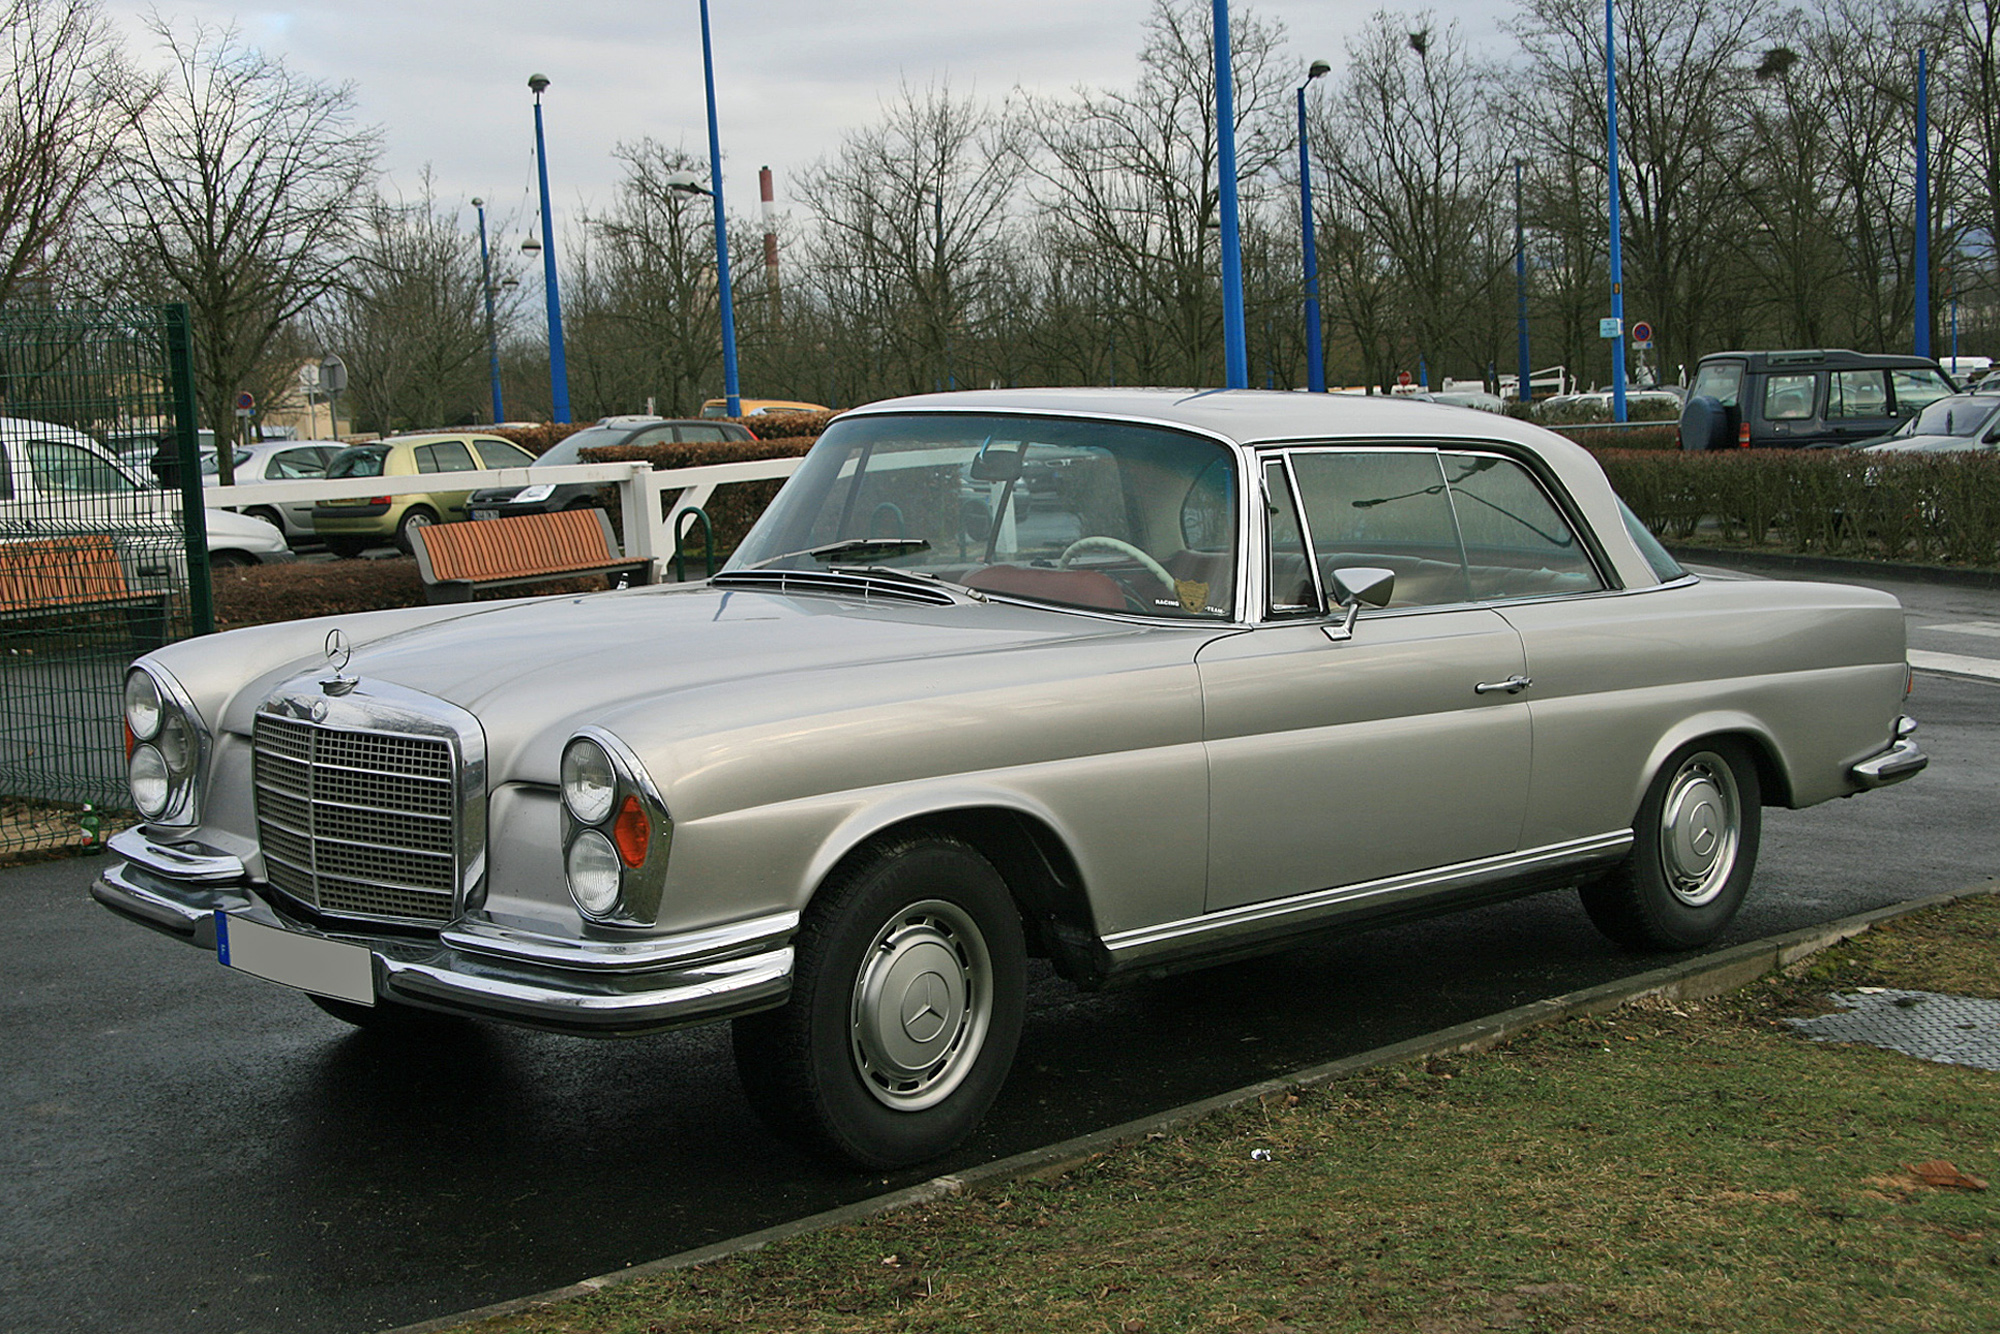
(176, 744)
(589, 783)
(142, 705)
(151, 788)
(593, 873)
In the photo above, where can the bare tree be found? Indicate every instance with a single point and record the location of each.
(240, 195)
(911, 229)
(639, 298)
(410, 321)
(1407, 141)
(1130, 178)
(68, 101)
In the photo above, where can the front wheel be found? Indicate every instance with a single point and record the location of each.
(907, 995)
(1694, 847)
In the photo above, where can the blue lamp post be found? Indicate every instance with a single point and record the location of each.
(1923, 256)
(558, 372)
(1315, 355)
(492, 337)
(1617, 258)
(728, 306)
(1235, 347)
(1523, 389)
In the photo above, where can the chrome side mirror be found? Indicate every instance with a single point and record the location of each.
(1353, 588)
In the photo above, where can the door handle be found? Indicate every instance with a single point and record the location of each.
(1513, 685)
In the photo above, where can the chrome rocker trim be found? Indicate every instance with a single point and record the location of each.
(1901, 760)
(488, 970)
(1254, 925)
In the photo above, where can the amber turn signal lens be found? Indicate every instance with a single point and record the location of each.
(631, 832)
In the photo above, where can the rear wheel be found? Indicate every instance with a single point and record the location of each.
(413, 518)
(907, 996)
(1694, 848)
(267, 514)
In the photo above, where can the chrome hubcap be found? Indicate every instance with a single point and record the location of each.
(1701, 825)
(923, 1001)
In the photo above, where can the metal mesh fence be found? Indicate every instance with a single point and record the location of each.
(102, 552)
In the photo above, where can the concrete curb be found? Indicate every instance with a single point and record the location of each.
(1693, 979)
(1835, 567)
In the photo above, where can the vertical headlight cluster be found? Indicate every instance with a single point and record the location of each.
(616, 832)
(164, 745)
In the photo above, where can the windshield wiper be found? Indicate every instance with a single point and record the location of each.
(855, 548)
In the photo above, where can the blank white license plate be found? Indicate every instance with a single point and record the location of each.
(323, 967)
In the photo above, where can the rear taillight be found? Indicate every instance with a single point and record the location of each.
(1743, 436)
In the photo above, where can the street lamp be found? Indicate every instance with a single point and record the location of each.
(1522, 392)
(1617, 322)
(1315, 356)
(1235, 348)
(733, 399)
(492, 338)
(558, 372)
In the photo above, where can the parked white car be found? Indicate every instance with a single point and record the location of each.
(54, 476)
(278, 461)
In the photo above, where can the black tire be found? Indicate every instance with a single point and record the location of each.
(267, 514)
(387, 1019)
(416, 516)
(347, 548)
(1694, 849)
(229, 560)
(922, 934)
(1705, 424)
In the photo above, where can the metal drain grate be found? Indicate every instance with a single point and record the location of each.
(1951, 1030)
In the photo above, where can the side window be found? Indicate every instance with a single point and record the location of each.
(1517, 543)
(1916, 389)
(1858, 394)
(655, 435)
(1288, 575)
(445, 456)
(59, 467)
(296, 463)
(1386, 510)
(1789, 397)
(499, 454)
(687, 433)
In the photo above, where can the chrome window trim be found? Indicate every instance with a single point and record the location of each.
(392, 710)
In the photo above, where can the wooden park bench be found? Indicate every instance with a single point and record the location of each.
(73, 576)
(458, 559)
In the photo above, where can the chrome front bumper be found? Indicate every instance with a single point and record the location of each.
(1901, 760)
(477, 966)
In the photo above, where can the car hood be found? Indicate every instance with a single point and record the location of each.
(674, 663)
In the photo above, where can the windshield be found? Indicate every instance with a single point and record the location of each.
(1953, 416)
(566, 450)
(1091, 514)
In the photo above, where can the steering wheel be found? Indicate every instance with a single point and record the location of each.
(1123, 548)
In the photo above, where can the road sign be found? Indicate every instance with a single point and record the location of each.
(1642, 333)
(245, 400)
(1610, 327)
(332, 374)
(1402, 377)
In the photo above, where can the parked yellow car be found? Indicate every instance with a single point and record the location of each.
(753, 407)
(351, 526)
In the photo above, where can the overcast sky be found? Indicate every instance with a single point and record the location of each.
(447, 79)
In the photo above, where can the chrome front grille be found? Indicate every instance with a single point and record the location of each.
(358, 823)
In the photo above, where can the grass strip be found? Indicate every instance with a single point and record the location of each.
(1685, 1166)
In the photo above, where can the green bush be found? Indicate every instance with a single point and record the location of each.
(1932, 509)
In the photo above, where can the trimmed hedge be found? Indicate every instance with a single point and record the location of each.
(1931, 509)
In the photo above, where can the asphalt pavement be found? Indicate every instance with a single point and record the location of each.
(187, 1149)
